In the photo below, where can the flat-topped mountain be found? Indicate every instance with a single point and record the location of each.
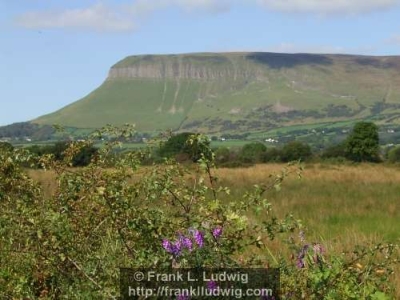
(238, 92)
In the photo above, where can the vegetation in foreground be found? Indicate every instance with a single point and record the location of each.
(69, 244)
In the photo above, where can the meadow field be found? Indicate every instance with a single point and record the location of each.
(340, 206)
(342, 203)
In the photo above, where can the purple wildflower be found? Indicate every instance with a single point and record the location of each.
(217, 232)
(212, 285)
(300, 263)
(186, 242)
(173, 248)
(198, 238)
(167, 245)
(301, 256)
(176, 250)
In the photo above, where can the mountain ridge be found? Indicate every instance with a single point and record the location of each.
(238, 92)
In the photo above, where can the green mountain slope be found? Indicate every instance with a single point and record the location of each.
(238, 92)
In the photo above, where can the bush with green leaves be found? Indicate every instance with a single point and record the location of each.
(394, 155)
(363, 143)
(179, 146)
(222, 155)
(80, 159)
(71, 243)
(295, 151)
(4, 146)
(253, 153)
(335, 151)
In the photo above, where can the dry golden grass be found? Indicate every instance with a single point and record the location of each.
(341, 206)
(363, 174)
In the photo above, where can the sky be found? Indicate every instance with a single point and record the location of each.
(54, 52)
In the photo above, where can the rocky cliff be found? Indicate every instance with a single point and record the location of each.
(198, 67)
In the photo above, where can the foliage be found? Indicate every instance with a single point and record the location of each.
(4, 146)
(81, 158)
(394, 154)
(222, 155)
(273, 155)
(181, 144)
(335, 151)
(253, 152)
(70, 244)
(295, 151)
(27, 129)
(363, 143)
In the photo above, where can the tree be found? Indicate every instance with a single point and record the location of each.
(363, 143)
(295, 151)
(252, 153)
(80, 159)
(185, 143)
(222, 155)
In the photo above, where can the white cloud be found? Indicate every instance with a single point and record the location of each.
(328, 6)
(213, 6)
(126, 17)
(100, 17)
(97, 17)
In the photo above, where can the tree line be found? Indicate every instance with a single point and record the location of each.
(362, 145)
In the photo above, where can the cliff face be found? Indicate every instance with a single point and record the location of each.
(206, 67)
(172, 71)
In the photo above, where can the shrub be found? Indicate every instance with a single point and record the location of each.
(81, 158)
(335, 151)
(273, 155)
(394, 154)
(6, 146)
(252, 153)
(296, 151)
(70, 244)
(222, 155)
(363, 143)
(184, 145)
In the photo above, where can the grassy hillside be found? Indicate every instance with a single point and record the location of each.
(239, 92)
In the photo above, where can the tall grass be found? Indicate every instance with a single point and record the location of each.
(335, 201)
(340, 205)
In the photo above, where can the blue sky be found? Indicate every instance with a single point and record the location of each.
(54, 52)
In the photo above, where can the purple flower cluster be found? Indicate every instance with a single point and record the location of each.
(199, 238)
(301, 257)
(184, 242)
(217, 232)
(318, 251)
(174, 248)
(212, 285)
